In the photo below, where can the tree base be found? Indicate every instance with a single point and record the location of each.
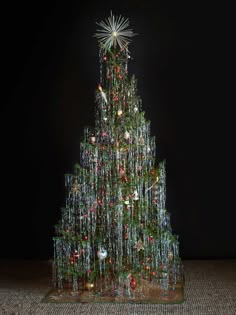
(150, 293)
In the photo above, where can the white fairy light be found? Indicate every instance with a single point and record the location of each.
(114, 31)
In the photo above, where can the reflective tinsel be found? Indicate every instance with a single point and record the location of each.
(116, 199)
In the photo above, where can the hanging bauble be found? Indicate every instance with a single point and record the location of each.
(150, 238)
(105, 118)
(133, 283)
(122, 171)
(76, 254)
(135, 195)
(126, 202)
(92, 139)
(135, 109)
(126, 135)
(102, 253)
(171, 255)
(119, 113)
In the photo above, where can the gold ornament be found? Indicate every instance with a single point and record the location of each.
(139, 245)
(119, 113)
(75, 187)
(171, 255)
(141, 141)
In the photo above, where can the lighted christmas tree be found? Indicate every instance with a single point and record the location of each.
(114, 238)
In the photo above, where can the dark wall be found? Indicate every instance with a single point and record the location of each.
(50, 71)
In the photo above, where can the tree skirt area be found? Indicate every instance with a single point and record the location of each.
(210, 288)
(150, 294)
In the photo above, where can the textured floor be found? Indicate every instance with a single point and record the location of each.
(210, 288)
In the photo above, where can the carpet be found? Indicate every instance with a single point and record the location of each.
(210, 288)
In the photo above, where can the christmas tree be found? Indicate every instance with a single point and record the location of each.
(114, 237)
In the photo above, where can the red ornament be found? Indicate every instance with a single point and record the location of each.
(133, 283)
(122, 171)
(85, 237)
(105, 58)
(76, 255)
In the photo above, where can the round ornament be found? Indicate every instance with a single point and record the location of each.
(119, 113)
(92, 140)
(126, 135)
(102, 253)
(133, 283)
(135, 195)
(171, 255)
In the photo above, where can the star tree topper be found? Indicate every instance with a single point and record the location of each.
(114, 32)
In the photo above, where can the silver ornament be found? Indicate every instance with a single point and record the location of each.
(126, 135)
(135, 195)
(102, 253)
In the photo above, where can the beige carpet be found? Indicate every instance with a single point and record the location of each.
(210, 288)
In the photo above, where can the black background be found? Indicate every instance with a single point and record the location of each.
(50, 71)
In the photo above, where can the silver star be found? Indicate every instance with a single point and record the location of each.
(114, 32)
